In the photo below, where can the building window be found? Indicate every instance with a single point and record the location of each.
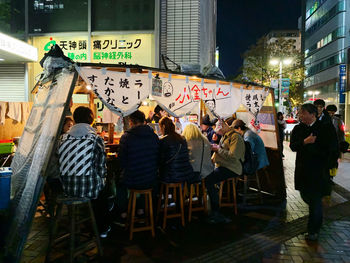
(339, 7)
(119, 15)
(51, 16)
(329, 62)
(334, 35)
(12, 17)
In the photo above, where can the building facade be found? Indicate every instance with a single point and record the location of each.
(326, 43)
(118, 31)
(293, 35)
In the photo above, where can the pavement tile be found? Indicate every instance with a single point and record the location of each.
(281, 241)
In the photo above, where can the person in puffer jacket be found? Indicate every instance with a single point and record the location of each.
(175, 164)
(138, 156)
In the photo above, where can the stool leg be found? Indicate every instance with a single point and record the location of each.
(151, 213)
(181, 205)
(259, 187)
(190, 203)
(94, 227)
(220, 193)
(161, 192)
(71, 214)
(234, 195)
(129, 211)
(54, 223)
(245, 189)
(132, 215)
(147, 208)
(228, 191)
(185, 190)
(166, 206)
(175, 196)
(205, 200)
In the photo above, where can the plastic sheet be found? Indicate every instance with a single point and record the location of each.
(32, 156)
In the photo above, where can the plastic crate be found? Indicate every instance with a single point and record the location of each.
(5, 187)
(6, 147)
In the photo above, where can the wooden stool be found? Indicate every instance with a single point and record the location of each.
(74, 204)
(167, 187)
(246, 179)
(148, 212)
(230, 200)
(202, 198)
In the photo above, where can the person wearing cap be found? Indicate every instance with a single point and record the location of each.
(227, 158)
(207, 128)
(156, 115)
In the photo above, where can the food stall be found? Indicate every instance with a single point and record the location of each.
(122, 90)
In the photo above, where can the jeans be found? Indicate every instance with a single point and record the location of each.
(218, 175)
(314, 200)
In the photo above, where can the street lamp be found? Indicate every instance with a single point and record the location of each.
(274, 62)
(313, 93)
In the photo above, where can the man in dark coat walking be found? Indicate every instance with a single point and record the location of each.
(313, 142)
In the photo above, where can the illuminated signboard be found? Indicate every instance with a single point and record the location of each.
(126, 48)
(17, 47)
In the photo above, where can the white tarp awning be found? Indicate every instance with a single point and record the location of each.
(123, 92)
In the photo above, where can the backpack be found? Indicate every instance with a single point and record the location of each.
(250, 164)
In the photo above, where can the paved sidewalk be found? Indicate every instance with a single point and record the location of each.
(285, 242)
(260, 234)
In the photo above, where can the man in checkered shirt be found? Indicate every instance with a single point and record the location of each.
(82, 161)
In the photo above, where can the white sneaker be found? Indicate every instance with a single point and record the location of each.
(104, 234)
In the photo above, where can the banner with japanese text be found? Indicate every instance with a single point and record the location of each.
(253, 99)
(177, 96)
(122, 93)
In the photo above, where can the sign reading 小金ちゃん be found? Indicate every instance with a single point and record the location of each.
(176, 95)
(254, 99)
(121, 92)
(126, 48)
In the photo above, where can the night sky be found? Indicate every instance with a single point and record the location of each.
(240, 23)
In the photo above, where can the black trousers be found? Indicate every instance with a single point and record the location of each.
(314, 200)
(101, 210)
(218, 175)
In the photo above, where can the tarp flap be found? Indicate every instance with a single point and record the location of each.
(121, 92)
(253, 99)
(221, 100)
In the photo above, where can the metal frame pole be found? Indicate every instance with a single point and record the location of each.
(280, 89)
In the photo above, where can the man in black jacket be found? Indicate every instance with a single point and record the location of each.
(322, 114)
(138, 156)
(313, 141)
